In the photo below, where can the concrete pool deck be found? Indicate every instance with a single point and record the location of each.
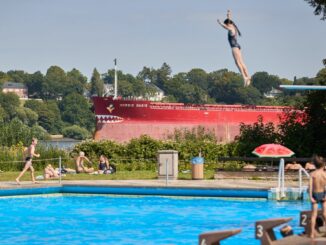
(225, 183)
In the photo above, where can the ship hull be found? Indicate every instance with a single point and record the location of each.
(121, 120)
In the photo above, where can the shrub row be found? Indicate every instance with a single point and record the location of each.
(141, 153)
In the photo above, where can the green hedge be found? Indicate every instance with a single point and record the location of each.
(141, 153)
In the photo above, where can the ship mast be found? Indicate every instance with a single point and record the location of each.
(115, 79)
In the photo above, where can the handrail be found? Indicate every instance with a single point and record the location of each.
(300, 177)
(281, 180)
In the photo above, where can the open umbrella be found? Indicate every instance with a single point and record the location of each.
(272, 150)
(275, 150)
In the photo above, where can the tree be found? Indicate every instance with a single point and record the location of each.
(76, 110)
(75, 82)
(125, 88)
(9, 102)
(3, 77)
(17, 76)
(305, 132)
(55, 83)
(27, 116)
(160, 76)
(198, 77)
(227, 87)
(97, 84)
(49, 114)
(255, 135)
(76, 132)
(265, 82)
(16, 132)
(35, 85)
(146, 75)
(320, 7)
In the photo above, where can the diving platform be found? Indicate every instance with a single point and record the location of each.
(303, 87)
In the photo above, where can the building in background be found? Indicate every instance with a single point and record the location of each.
(18, 88)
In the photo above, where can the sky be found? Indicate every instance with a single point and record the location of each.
(281, 37)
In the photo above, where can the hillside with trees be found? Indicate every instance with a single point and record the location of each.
(59, 101)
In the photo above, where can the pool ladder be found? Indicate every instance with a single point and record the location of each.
(281, 179)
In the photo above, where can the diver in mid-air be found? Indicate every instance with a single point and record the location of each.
(233, 32)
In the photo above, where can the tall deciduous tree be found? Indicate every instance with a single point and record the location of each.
(76, 110)
(264, 82)
(35, 85)
(97, 84)
(48, 114)
(55, 83)
(9, 102)
(76, 82)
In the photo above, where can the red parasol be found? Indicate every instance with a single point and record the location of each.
(272, 150)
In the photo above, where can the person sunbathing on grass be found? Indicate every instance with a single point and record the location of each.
(50, 172)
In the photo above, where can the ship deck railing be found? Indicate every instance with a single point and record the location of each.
(218, 108)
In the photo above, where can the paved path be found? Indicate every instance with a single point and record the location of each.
(226, 183)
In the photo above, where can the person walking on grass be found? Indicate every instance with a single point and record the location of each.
(317, 193)
(29, 153)
(233, 33)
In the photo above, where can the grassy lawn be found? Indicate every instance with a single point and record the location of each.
(120, 175)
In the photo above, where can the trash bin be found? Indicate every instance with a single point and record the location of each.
(197, 166)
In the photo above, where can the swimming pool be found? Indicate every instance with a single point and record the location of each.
(110, 219)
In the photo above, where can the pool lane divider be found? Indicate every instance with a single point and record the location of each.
(137, 190)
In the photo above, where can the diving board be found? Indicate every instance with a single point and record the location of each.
(303, 87)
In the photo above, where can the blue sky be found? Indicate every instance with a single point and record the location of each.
(281, 37)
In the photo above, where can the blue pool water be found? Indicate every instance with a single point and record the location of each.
(104, 219)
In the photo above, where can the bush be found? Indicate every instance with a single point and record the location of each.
(76, 132)
(15, 132)
(141, 153)
(255, 135)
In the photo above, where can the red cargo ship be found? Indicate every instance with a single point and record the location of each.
(123, 119)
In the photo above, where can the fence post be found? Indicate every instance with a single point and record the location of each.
(167, 172)
(60, 172)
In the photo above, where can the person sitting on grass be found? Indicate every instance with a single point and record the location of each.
(80, 168)
(50, 172)
(104, 165)
(317, 193)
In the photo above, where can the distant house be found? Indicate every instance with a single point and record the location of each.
(156, 94)
(18, 88)
(273, 93)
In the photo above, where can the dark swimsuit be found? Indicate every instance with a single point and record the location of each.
(233, 40)
(320, 197)
(102, 166)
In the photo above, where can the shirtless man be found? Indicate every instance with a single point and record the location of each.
(29, 153)
(80, 168)
(317, 191)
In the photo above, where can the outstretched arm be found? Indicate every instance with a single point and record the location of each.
(223, 25)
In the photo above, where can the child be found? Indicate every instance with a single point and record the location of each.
(317, 192)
